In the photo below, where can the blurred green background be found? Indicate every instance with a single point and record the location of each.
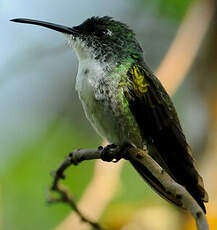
(41, 119)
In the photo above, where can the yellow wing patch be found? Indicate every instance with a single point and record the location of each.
(140, 83)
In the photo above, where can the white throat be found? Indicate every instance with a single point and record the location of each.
(80, 48)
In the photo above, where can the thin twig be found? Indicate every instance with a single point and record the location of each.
(72, 159)
(132, 153)
(98, 193)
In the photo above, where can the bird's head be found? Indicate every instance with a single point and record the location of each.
(101, 38)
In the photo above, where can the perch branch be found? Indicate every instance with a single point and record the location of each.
(132, 153)
(171, 186)
(72, 159)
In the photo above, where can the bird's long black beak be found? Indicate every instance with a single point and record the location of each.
(59, 28)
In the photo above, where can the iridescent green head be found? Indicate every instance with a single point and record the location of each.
(99, 37)
(108, 37)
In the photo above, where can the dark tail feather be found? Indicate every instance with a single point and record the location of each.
(174, 150)
(194, 187)
(154, 182)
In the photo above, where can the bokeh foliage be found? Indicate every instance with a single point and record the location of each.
(172, 9)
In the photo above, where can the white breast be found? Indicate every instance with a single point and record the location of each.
(89, 75)
(94, 89)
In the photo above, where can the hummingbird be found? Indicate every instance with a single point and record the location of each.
(126, 103)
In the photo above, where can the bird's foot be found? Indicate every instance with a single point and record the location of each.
(114, 152)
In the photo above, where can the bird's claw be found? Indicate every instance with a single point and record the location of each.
(114, 153)
(107, 152)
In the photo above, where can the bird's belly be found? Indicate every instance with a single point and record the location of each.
(105, 122)
(107, 111)
(111, 123)
(98, 111)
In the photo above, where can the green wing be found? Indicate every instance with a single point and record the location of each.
(161, 129)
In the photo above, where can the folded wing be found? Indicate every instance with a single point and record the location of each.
(160, 126)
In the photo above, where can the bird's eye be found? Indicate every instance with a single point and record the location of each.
(100, 33)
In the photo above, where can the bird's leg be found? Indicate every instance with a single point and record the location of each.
(114, 152)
